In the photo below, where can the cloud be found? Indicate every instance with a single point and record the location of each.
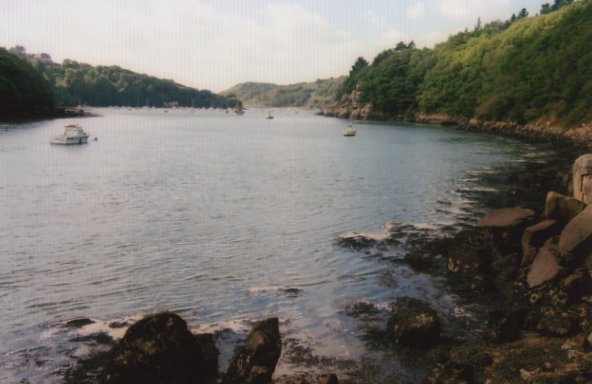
(469, 9)
(415, 11)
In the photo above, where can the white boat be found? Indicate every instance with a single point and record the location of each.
(355, 96)
(269, 116)
(73, 134)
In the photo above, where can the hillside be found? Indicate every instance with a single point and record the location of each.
(317, 94)
(526, 69)
(23, 92)
(74, 83)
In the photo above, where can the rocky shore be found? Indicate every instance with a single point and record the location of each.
(528, 264)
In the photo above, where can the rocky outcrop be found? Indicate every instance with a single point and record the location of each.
(548, 299)
(414, 323)
(582, 178)
(158, 349)
(254, 361)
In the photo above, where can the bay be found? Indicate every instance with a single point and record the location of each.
(221, 218)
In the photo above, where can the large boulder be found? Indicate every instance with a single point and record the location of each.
(535, 236)
(254, 361)
(576, 232)
(157, 349)
(414, 323)
(582, 178)
(562, 208)
(545, 266)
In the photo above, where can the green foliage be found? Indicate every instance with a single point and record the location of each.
(23, 92)
(317, 94)
(75, 83)
(523, 70)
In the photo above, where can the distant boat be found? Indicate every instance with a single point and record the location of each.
(238, 109)
(353, 107)
(73, 134)
(269, 116)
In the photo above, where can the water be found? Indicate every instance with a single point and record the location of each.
(213, 216)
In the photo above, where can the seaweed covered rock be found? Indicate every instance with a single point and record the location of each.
(157, 349)
(414, 323)
(254, 361)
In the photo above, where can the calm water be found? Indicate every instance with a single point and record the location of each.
(212, 215)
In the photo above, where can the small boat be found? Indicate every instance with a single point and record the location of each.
(73, 134)
(353, 108)
(269, 116)
(349, 131)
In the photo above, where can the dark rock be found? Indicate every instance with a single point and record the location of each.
(507, 326)
(556, 324)
(329, 378)
(79, 323)
(414, 323)
(210, 353)
(419, 261)
(562, 208)
(535, 236)
(357, 240)
(254, 362)
(576, 232)
(290, 380)
(157, 349)
(452, 372)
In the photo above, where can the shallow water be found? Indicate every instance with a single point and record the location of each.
(216, 217)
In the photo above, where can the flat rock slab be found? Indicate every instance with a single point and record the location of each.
(562, 208)
(544, 267)
(505, 217)
(576, 231)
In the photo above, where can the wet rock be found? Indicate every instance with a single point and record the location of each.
(562, 208)
(290, 380)
(556, 324)
(507, 326)
(254, 362)
(577, 285)
(414, 323)
(79, 323)
(157, 349)
(356, 240)
(452, 372)
(210, 353)
(582, 178)
(576, 232)
(329, 378)
(534, 237)
(545, 266)
(505, 217)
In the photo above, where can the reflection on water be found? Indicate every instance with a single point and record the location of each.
(218, 217)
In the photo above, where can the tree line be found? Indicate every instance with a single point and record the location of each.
(523, 69)
(30, 83)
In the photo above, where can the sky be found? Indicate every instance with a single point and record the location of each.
(215, 44)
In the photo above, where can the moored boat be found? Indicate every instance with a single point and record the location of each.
(73, 134)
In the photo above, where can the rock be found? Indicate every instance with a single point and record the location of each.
(562, 208)
(560, 324)
(329, 378)
(207, 344)
(414, 323)
(79, 323)
(505, 217)
(582, 178)
(157, 349)
(534, 237)
(545, 266)
(254, 362)
(358, 240)
(576, 232)
(291, 380)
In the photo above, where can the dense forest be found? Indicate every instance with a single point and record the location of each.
(23, 91)
(316, 94)
(524, 69)
(73, 83)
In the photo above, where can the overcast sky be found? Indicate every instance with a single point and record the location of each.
(215, 44)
